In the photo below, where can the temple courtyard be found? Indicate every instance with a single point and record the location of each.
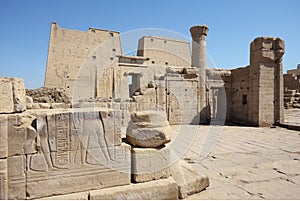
(246, 162)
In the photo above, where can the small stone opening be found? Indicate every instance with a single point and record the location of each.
(244, 99)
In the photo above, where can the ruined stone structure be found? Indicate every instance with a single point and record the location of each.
(165, 75)
(254, 93)
(292, 88)
(70, 143)
(75, 153)
(292, 79)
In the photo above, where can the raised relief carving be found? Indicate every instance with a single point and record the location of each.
(71, 140)
(62, 74)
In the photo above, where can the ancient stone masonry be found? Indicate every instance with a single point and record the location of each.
(76, 58)
(199, 34)
(291, 99)
(292, 88)
(12, 99)
(165, 73)
(101, 127)
(254, 94)
(55, 153)
(266, 94)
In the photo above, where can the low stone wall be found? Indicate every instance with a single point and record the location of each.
(54, 152)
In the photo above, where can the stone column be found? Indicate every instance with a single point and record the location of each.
(199, 34)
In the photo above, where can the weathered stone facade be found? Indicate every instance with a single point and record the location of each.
(166, 75)
(69, 142)
(292, 88)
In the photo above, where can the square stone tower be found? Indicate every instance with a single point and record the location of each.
(266, 90)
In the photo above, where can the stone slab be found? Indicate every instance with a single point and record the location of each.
(16, 177)
(68, 181)
(188, 180)
(164, 189)
(72, 196)
(150, 164)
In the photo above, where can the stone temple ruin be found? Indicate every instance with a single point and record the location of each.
(292, 88)
(67, 140)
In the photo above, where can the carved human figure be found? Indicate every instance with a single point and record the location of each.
(93, 140)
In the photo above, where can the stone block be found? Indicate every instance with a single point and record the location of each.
(22, 136)
(150, 164)
(149, 118)
(148, 129)
(262, 43)
(66, 181)
(75, 155)
(3, 136)
(44, 105)
(6, 96)
(60, 105)
(164, 189)
(29, 99)
(12, 95)
(36, 106)
(16, 177)
(188, 180)
(3, 180)
(72, 196)
(147, 137)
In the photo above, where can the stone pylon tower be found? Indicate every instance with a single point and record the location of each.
(266, 91)
(199, 34)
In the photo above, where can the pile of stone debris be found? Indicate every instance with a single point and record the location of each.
(47, 98)
(48, 95)
(291, 99)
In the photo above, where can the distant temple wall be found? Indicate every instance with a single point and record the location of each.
(76, 56)
(90, 66)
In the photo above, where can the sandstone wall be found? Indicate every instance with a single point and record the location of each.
(165, 51)
(291, 82)
(12, 95)
(294, 71)
(58, 152)
(267, 81)
(78, 61)
(254, 94)
(240, 91)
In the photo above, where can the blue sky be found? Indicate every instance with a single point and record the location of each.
(233, 24)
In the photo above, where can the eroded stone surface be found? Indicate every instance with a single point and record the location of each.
(148, 129)
(150, 164)
(82, 145)
(189, 181)
(12, 95)
(160, 190)
(3, 180)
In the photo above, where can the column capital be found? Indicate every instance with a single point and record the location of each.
(198, 31)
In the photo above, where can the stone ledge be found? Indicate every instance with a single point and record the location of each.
(154, 190)
(290, 126)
